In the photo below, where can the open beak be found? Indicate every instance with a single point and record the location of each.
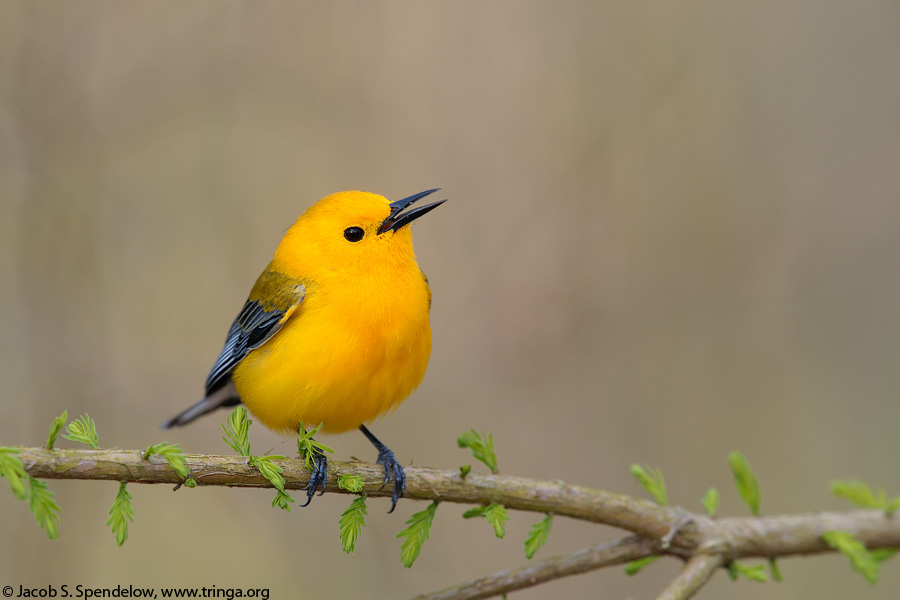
(395, 220)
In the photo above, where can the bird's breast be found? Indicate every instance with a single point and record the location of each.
(347, 355)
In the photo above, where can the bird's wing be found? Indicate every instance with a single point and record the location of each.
(272, 301)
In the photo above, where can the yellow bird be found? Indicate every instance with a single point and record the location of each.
(336, 329)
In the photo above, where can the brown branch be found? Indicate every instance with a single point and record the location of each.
(660, 530)
(694, 576)
(634, 514)
(786, 535)
(510, 580)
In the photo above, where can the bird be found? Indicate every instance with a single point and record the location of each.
(336, 329)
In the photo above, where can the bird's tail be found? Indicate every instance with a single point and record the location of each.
(224, 396)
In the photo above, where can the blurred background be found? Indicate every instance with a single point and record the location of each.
(673, 231)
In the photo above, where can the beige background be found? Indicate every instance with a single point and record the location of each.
(674, 230)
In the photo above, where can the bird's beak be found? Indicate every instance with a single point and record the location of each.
(395, 220)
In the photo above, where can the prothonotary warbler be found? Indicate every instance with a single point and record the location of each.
(336, 329)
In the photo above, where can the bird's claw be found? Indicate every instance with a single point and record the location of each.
(392, 470)
(318, 477)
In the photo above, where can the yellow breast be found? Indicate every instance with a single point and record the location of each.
(353, 350)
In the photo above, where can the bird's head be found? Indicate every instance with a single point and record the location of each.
(351, 231)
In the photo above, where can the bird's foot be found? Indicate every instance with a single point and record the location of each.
(392, 470)
(318, 477)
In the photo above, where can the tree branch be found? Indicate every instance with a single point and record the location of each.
(705, 542)
(510, 580)
(634, 514)
(694, 576)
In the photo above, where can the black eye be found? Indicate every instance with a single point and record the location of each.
(354, 234)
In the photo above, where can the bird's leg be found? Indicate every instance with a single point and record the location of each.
(392, 468)
(319, 475)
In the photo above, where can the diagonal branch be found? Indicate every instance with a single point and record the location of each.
(694, 576)
(510, 580)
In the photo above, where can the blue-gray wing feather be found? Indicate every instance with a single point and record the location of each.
(253, 327)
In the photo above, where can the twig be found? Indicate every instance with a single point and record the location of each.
(707, 542)
(694, 576)
(588, 559)
(741, 537)
(786, 535)
(634, 514)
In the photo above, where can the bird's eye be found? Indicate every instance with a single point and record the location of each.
(354, 234)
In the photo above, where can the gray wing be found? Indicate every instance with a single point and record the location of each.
(257, 322)
(252, 328)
